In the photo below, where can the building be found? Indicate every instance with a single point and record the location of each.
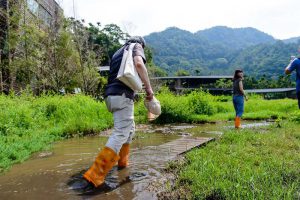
(181, 83)
(44, 13)
(46, 10)
(274, 93)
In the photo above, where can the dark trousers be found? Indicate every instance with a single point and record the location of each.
(298, 97)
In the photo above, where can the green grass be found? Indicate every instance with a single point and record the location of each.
(29, 124)
(200, 106)
(245, 164)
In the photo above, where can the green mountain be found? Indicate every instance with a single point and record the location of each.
(219, 51)
(292, 40)
(175, 49)
(265, 59)
(236, 38)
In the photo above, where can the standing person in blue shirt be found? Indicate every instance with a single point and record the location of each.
(295, 65)
(238, 96)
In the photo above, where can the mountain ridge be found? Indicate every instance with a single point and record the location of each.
(218, 50)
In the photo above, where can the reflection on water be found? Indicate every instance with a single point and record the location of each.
(46, 174)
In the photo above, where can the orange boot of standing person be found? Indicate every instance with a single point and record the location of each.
(237, 122)
(124, 156)
(105, 160)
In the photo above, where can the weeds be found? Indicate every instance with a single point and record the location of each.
(200, 106)
(28, 123)
(246, 164)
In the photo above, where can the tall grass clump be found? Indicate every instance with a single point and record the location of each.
(269, 109)
(200, 106)
(295, 117)
(173, 108)
(197, 106)
(202, 103)
(245, 164)
(28, 124)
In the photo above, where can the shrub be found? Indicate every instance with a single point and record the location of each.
(201, 102)
(173, 109)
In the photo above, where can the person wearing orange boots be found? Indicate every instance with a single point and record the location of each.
(119, 100)
(238, 97)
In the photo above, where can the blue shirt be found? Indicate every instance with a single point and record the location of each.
(296, 66)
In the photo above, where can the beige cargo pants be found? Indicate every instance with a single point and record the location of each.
(124, 127)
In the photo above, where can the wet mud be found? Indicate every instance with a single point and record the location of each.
(51, 174)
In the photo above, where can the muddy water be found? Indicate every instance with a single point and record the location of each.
(46, 174)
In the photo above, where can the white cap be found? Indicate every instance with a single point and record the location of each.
(153, 106)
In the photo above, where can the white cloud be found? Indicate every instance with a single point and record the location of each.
(278, 18)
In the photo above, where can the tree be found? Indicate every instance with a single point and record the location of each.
(63, 59)
(88, 77)
(153, 70)
(285, 82)
(63, 56)
(13, 17)
(223, 83)
(182, 72)
(109, 39)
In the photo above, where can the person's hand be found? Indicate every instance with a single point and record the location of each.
(149, 93)
(292, 58)
(246, 98)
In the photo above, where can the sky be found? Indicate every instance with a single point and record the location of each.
(279, 18)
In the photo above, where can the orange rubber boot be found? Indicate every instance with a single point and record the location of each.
(237, 122)
(124, 156)
(105, 160)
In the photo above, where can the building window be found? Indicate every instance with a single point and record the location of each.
(45, 16)
(33, 6)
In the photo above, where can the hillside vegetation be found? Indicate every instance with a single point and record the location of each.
(219, 50)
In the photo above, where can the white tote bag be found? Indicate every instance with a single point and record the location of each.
(127, 72)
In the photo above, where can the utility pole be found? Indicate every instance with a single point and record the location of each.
(74, 9)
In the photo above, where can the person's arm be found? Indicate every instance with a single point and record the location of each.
(242, 89)
(143, 73)
(288, 69)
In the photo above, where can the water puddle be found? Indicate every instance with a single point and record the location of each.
(252, 125)
(256, 125)
(46, 174)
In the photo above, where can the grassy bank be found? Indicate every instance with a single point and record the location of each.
(202, 107)
(29, 124)
(244, 164)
